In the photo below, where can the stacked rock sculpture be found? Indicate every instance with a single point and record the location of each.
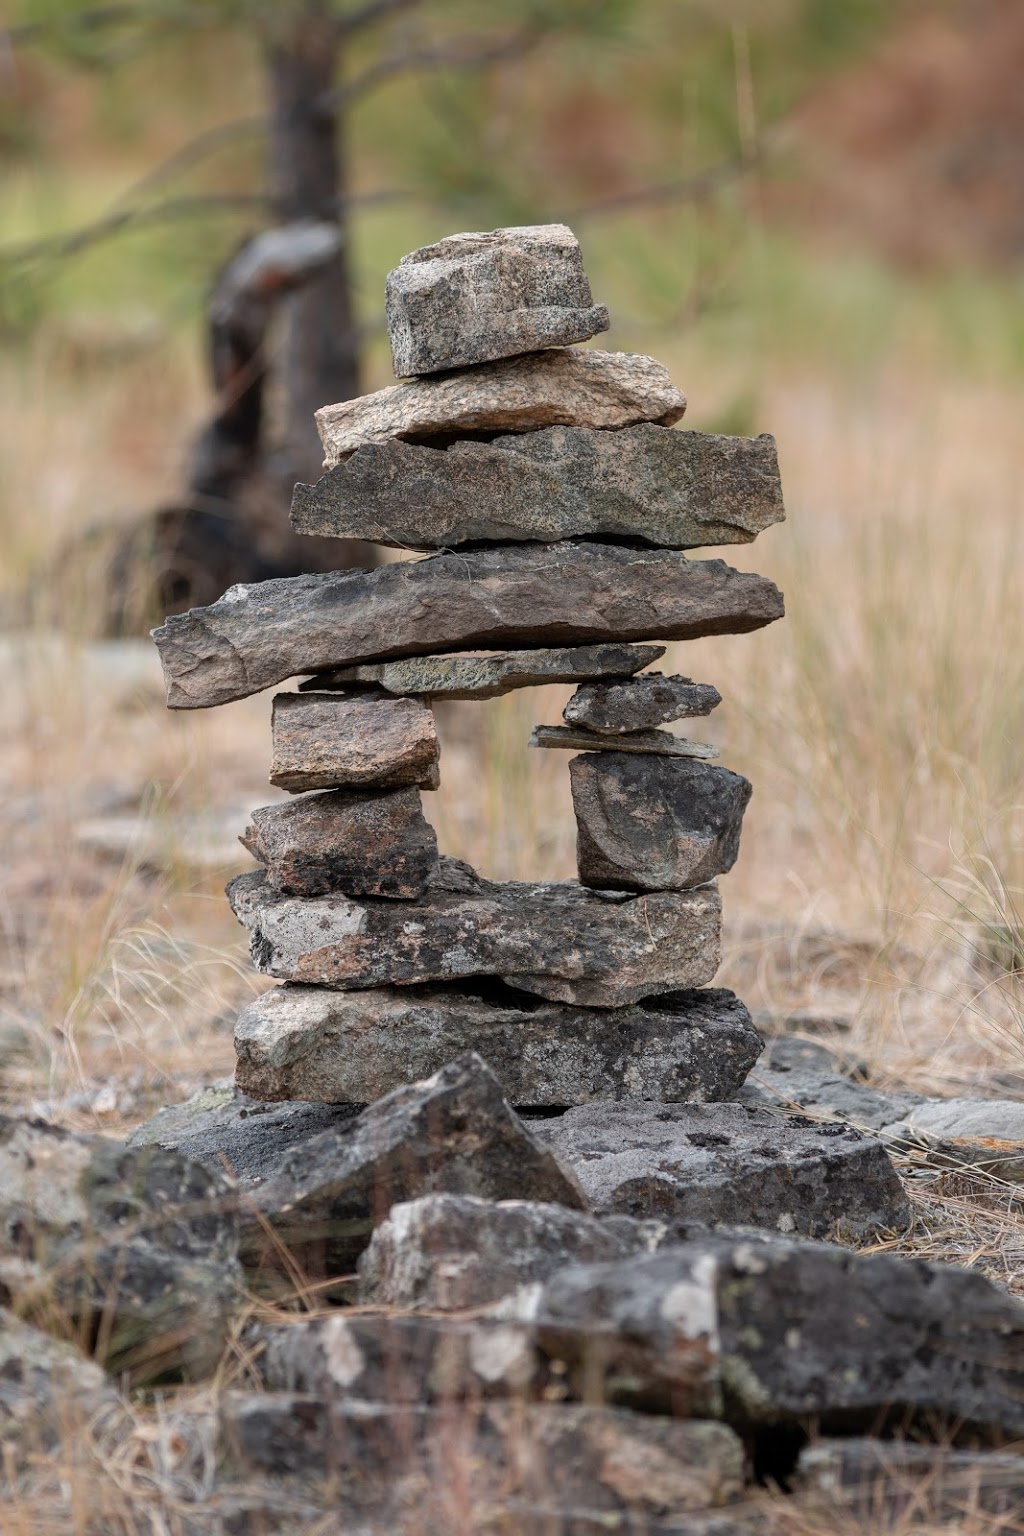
(554, 499)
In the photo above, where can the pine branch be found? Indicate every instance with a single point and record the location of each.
(463, 53)
(370, 14)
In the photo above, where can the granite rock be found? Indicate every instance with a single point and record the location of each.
(258, 635)
(639, 703)
(488, 677)
(473, 298)
(329, 740)
(654, 823)
(652, 743)
(670, 489)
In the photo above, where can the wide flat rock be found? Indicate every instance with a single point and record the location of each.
(488, 677)
(825, 1094)
(725, 1164)
(654, 823)
(532, 594)
(566, 386)
(311, 1043)
(327, 740)
(561, 941)
(473, 298)
(653, 743)
(983, 1134)
(639, 703)
(667, 488)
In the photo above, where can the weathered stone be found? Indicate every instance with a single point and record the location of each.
(728, 1165)
(639, 703)
(445, 1253)
(600, 949)
(654, 823)
(825, 1095)
(864, 1477)
(654, 743)
(453, 1133)
(326, 740)
(473, 298)
(478, 599)
(488, 677)
(791, 1333)
(364, 843)
(667, 488)
(982, 1134)
(310, 1043)
(565, 386)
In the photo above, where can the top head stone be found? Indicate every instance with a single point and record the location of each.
(473, 298)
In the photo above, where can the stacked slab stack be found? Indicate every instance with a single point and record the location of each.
(554, 499)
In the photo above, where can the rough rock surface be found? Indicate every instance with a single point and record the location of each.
(728, 1165)
(328, 740)
(565, 386)
(51, 1399)
(639, 703)
(654, 823)
(444, 1253)
(473, 298)
(655, 743)
(310, 1043)
(454, 1133)
(258, 635)
(985, 1134)
(667, 488)
(488, 677)
(362, 842)
(864, 1477)
(561, 941)
(827, 1095)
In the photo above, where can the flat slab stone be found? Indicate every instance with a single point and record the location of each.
(862, 1477)
(472, 298)
(657, 743)
(488, 599)
(566, 386)
(667, 488)
(361, 842)
(826, 1095)
(325, 740)
(984, 1134)
(654, 823)
(311, 1043)
(561, 941)
(638, 703)
(488, 677)
(725, 1164)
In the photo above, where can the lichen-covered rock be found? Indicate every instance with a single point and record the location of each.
(653, 743)
(488, 677)
(473, 298)
(329, 740)
(565, 386)
(639, 703)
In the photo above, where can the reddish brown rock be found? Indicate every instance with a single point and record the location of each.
(329, 740)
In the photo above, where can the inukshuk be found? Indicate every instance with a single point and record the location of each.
(555, 499)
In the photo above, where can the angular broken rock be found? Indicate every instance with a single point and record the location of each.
(565, 386)
(654, 823)
(310, 1043)
(488, 677)
(258, 635)
(657, 743)
(473, 298)
(667, 488)
(639, 703)
(361, 842)
(445, 1253)
(602, 950)
(728, 1165)
(455, 1132)
(325, 740)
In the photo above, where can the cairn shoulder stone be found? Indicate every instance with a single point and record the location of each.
(360, 842)
(567, 738)
(328, 740)
(666, 488)
(566, 386)
(561, 941)
(638, 703)
(727, 1165)
(312, 1043)
(474, 298)
(488, 677)
(259, 635)
(654, 823)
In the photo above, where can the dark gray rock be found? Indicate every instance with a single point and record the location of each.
(311, 1043)
(453, 1133)
(258, 635)
(561, 941)
(361, 842)
(323, 740)
(666, 488)
(473, 298)
(652, 743)
(728, 1165)
(825, 1095)
(488, 677)
(934, 1482)
(654, 823)
(982, 1134)
(639, 703)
